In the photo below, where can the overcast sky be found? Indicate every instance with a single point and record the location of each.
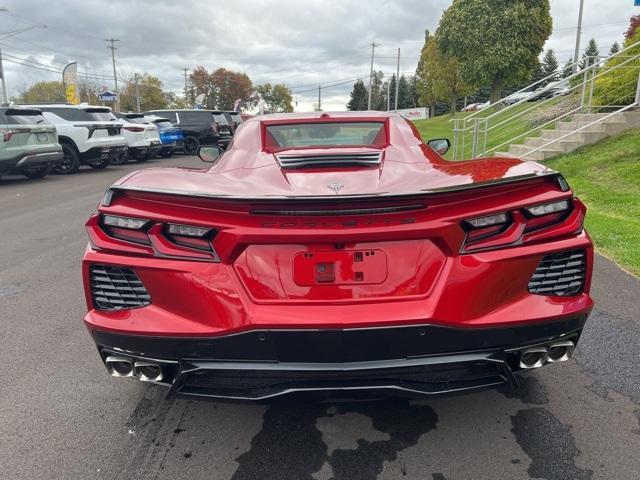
(301, 43)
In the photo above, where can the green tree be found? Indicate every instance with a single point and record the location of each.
(496, 42)
(358, 97)
(152, 97)
(590, 54)
(277, 98)
(617, 86)
(449, 84)
(550, 64)
(405, 99)
(615, 48)
(425, 71)
(52, 91)
(230, 86)
(567, 70)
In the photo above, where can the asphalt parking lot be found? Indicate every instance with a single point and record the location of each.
(63, 417)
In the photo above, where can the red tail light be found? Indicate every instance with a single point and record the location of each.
(134, 129)
(553, 219)
(7, 134)
(134, 235)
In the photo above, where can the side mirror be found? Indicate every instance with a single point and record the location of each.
(209, 154)
(440, 145)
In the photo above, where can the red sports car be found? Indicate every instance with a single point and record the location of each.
(336, 251)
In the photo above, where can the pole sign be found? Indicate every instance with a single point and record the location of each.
(419, 113)
(107, 96)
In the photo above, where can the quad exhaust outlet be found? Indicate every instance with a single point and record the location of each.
(536, 357)
(143, 370)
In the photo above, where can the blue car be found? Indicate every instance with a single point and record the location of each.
(171, 137)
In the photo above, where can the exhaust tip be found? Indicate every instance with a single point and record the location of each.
(119, 366)
(148, 371)
(533, 358)
(560, 352)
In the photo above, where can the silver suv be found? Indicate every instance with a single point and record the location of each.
(28, 143)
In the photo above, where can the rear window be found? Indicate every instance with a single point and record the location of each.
(163, 124)
(235, 117)
(24, 117)
(321, 134)
(195, 117)
(101, 115)
(219, 118)
(70, 114)
(170, 115)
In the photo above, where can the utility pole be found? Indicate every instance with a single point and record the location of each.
(389, 94)
(113, 49)
(397, 79)
(319, 98)
(373, 47)
(578, 32)
(4, 82)
(135, 76)
(185, 70)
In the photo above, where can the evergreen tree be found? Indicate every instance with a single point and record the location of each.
(359, 96)
(615, 48)
(588, 57)
(404, 93)
(550, 64)
(567, 70)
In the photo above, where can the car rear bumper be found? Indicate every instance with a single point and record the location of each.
(418, 359)
(103, 153)
(29, 160)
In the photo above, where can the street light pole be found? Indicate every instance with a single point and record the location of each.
(137, 93)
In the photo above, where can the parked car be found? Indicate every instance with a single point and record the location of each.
(233, 118)
(474, 107)
(336, 251)
(171, 137)
(29, 144)
(223, 127)
(83, 138)
(143, 138)
(198, 127)
(518, 96)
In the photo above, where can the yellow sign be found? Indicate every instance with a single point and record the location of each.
(70, 81)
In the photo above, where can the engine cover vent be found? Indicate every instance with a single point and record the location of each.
(323, 160)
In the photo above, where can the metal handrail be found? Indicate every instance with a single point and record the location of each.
(481, 126)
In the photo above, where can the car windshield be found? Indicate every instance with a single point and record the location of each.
(321, 134)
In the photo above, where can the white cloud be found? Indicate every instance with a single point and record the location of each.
(300, 43)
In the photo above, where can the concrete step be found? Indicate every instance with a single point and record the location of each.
(570, 126)
(593, 117)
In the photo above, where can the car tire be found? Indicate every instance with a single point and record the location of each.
(120, 159)
(191, 145)
(70, 161)
(35, 173)
(100, 164)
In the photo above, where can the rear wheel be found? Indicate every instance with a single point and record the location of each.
(191, 145)
(100, 163)
(70, 161)
(38, 172)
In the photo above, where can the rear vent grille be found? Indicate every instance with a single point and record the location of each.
(295, 160)
(560, 273)
(115, 288)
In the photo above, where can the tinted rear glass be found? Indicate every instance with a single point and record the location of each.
(236, 117)
(195, 117)
(102, 116)
(170, 115)
(321, 134)
(16, 117)
(220, 118)
(71, 114)
(163, 124)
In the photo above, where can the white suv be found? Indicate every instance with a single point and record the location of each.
(143, 138)
(85, 138)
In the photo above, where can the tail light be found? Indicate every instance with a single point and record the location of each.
(214, 127)
(147, 237)
(523, 225)
(134, 129)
